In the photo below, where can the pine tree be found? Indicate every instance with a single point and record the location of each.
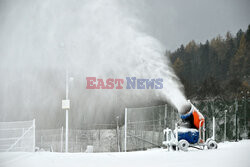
(230, 52)
(246, 66)
(178, 65)
(236, 67)
(238, 38)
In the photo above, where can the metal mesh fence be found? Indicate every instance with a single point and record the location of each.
(144, 129)
(232, 117)
(102, 140)
(145, 126)
(17, 136)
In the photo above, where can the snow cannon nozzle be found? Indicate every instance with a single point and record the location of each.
(185, 108)
(191, 115)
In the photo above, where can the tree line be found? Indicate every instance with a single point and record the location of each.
(218, 67)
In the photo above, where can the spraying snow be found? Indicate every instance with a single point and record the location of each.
(98, 38)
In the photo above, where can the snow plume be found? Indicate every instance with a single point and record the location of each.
(97, 38)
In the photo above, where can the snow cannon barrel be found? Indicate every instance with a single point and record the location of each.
(189, 113)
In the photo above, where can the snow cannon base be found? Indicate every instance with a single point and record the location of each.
(181, 138)
(190, 132)
(190, 135)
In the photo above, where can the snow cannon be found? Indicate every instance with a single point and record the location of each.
(191, 116)
(189, 132)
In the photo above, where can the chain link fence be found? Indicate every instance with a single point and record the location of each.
(102, 140)
(232, 117)
(145, 128)
(17, 136)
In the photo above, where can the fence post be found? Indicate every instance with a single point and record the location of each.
(125, 130)
(165, 115)
(62, 139)
(236, 120)
(225, 126)
(213, 129)
(34, 134)
(117, 134)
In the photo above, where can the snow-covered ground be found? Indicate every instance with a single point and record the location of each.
(230, 154)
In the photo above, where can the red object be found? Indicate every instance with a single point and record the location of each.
(198, 117)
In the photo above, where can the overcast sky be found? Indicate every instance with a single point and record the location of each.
(176, 22)
(38, 37)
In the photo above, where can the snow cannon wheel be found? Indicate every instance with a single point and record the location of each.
(212, 144)
(183, 145)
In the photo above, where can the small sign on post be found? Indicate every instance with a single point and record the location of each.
(65, 104)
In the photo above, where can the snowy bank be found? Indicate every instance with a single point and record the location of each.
(229, 154)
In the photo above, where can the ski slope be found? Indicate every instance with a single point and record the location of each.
(230, 154)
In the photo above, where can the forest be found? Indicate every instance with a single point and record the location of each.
(219, 67)
(216, 76)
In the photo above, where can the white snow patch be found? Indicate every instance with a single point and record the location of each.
(184, 130)
(229, 154)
